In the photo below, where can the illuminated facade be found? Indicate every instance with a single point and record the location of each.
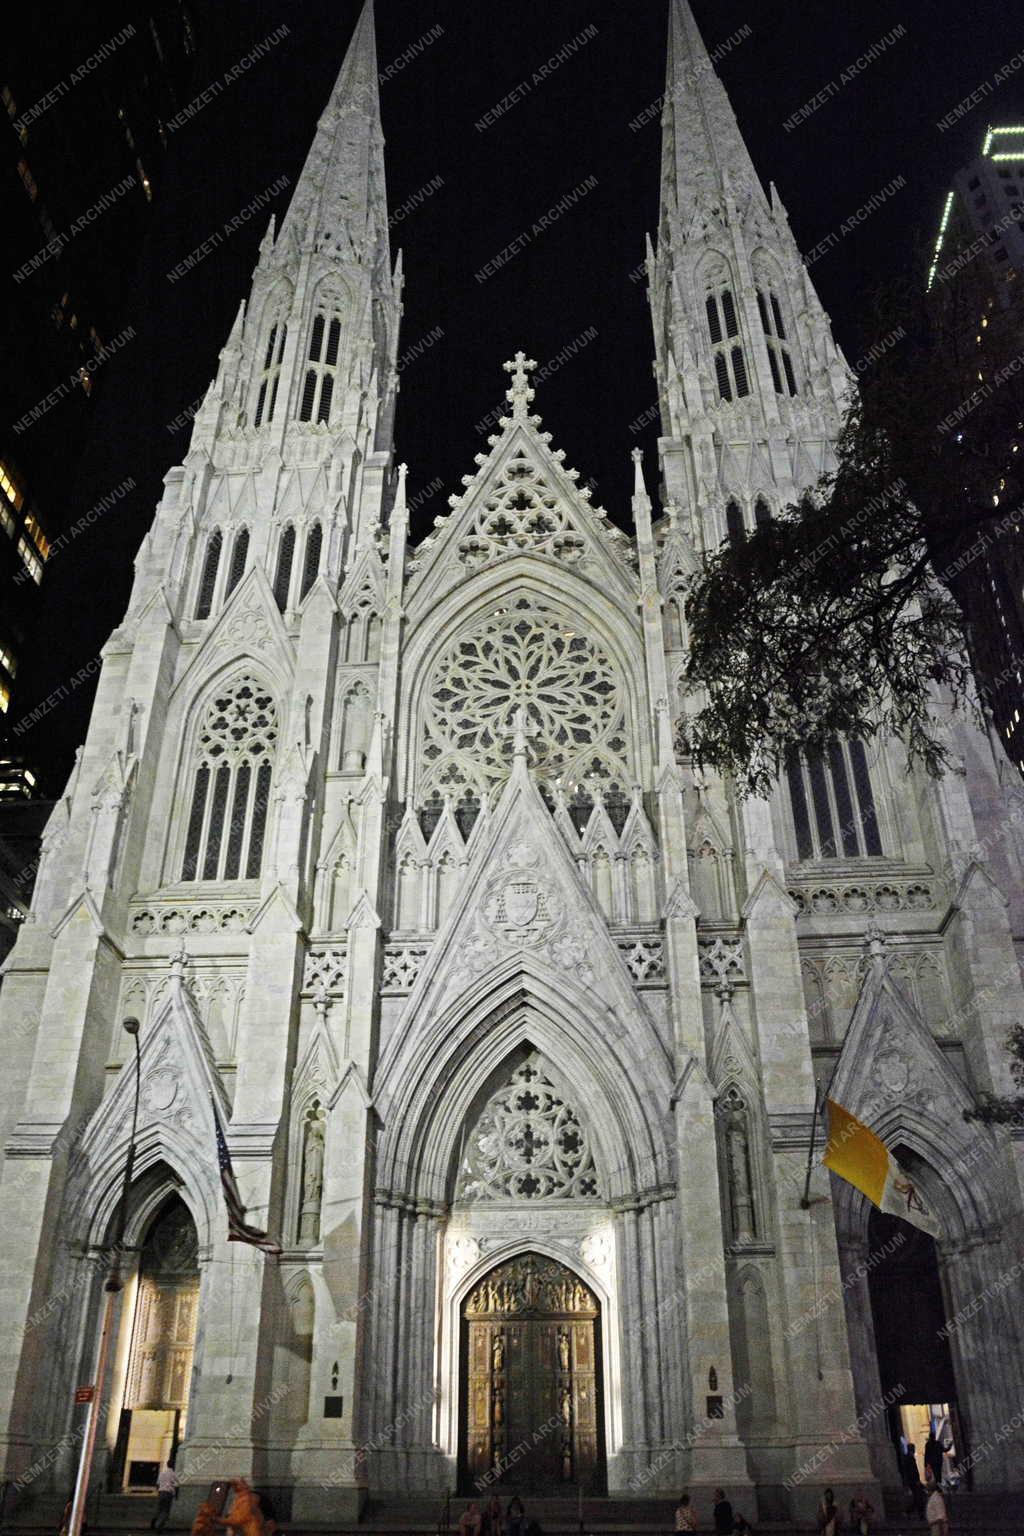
(512, 1020)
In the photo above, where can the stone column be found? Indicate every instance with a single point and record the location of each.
(820, 1386)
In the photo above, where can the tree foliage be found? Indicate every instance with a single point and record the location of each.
(993, 1110)
(849, 613)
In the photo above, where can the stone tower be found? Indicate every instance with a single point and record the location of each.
(512, 1021)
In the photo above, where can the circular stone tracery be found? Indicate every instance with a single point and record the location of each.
(524, 655)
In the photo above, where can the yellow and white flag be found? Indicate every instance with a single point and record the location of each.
(857, 1155)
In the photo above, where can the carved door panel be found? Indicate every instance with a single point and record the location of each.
(532, 1410)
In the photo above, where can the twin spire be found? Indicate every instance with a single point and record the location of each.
(339, 204)
(704, 154)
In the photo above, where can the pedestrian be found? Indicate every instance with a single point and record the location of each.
(912, 1482)
(65, 1519)
(471, 1521)
(935, 1510)
(515, 1516)
(934, 1459)
(828, 1514)
(722, 1512)
(167, 1486)
(244, 1515)
(268, 1512)
(686, 1518)
(861, 1511)
(743, 1527)
(492, 1521)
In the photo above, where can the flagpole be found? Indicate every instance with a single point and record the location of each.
(805, 1202)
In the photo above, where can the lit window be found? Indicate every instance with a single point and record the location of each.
(10, 488)
(832, 802)
(7, 521)
(28, 179)
(5, 697)
(39, 538)
(30, 559)
(8, 659)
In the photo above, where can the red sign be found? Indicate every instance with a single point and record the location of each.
(84, 1394)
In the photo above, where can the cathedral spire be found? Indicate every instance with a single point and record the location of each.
(752, 386)
(703, 150)
(339, 201)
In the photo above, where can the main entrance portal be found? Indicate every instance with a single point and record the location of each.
(531, 1414)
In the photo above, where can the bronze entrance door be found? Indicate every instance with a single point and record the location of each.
(531, 1367)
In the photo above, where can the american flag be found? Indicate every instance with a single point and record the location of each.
(239, 1230)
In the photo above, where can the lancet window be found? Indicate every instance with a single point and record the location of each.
(779, 359)
(208, 581)
(321, 367)
(231, 779)
(239, 556)
(270, 376)
(726, 344)
(833, 803)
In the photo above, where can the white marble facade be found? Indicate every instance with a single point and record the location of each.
(360, 828)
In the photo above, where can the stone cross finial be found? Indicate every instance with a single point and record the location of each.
(520, 394)
(522, 729)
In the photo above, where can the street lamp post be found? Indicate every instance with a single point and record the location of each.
(112, 1286)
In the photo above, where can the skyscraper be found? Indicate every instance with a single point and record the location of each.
(513, 1022)
(981, 244)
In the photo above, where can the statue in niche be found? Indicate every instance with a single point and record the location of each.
(498, 1352)
(565, 1405)
(740, 1185)
(563, 1349)
(499, 1406)
(312, 1174)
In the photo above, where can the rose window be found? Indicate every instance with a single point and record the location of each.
(523, 655)
(528, 1144)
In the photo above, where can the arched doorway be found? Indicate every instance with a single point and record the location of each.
(909, 1314)
(160, 1349)
(531, 1415)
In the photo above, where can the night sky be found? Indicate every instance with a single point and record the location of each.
(573, 277)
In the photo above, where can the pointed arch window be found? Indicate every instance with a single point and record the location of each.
(232, 771)
(321, 368)
(734, 525)
(283, 573)
(311, 562)
(762, 515)
(833, 803)
(528, 1144)
(270, 376)
(779, 359)
(239, 556)
(727, 350)
(208, 582)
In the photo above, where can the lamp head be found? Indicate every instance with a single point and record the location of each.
(132, 1026)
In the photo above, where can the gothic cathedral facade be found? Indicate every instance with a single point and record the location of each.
(513, 1020)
